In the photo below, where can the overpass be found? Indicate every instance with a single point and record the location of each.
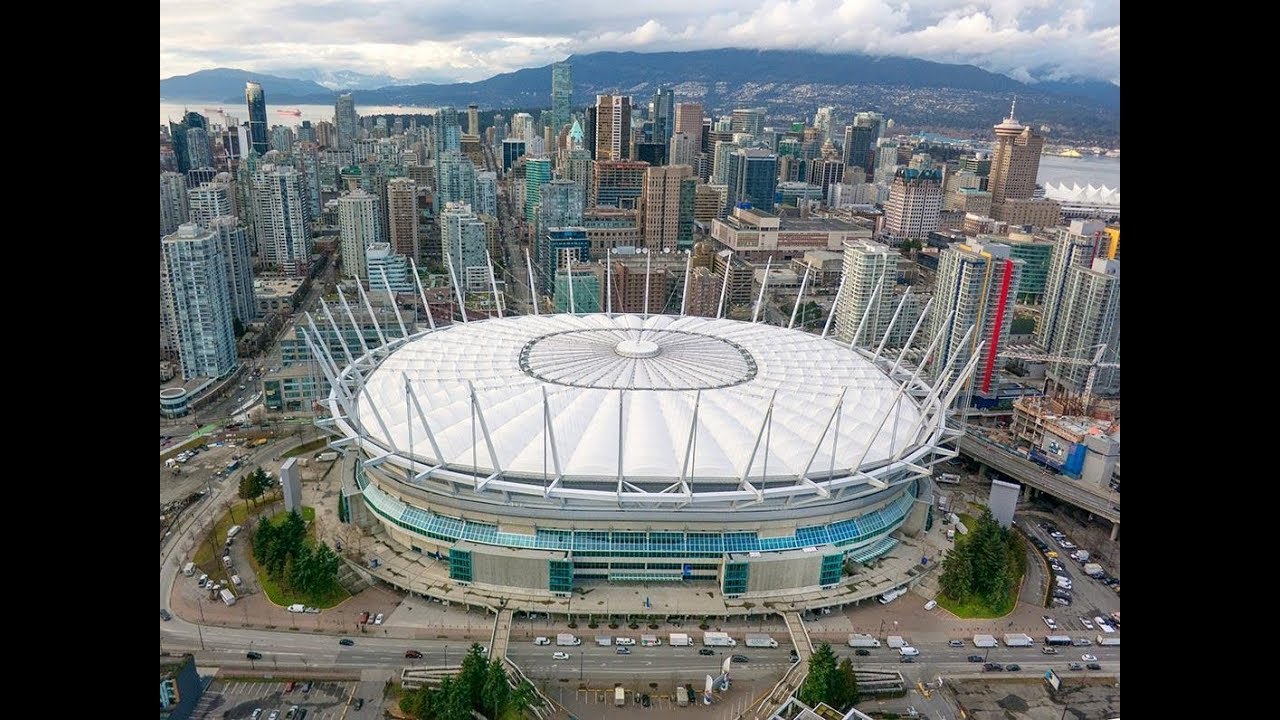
(1034, 476)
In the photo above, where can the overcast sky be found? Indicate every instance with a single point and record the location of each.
(464, 40)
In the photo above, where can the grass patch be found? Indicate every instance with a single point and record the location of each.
(974, 608)
(288, 596)
(305, 448)
(208, 556)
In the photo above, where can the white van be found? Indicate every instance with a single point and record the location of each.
(908, 651)
(541, 641)
(625, 641)
(189, 569)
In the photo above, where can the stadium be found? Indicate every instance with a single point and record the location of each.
(537, 451)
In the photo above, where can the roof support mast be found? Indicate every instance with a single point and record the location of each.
(351, 317)
(372, 317)
(799, 296)
(892, 321)
(391, 297)
(688, 268)
(426, 307)
(493, 283)
(866, 311)
(724, 287)
(831, 315)
(533, 294)
(457, 290)
(760, 298)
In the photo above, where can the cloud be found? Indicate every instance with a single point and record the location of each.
(444, 40)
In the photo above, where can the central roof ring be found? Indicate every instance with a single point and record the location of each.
(637, 359)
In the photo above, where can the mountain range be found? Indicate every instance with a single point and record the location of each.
(917, 94)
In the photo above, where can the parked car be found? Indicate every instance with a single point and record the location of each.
(623, 650)
(364, 617)
(1013, 667)
(862, 652)
(560, 656)
(1094, 666)
(907, 659)
(993, 667)
(289, 686)
(359, 703)
(1050, 622)
(975, 658)
(706, 651)
(347, 641)
(413, 654)
(740, 658)
(306, 687)
(274, 715)
(378, 620)
(1085, 622)
(1075, 666)
(1088, 658)
(644, 700)
(253, 655)
(955, 643)
(164, 615)
(1049, 650)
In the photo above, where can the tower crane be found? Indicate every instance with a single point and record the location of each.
(1086, 394)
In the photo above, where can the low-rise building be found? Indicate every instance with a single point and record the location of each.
(278, 294)
(756, 236)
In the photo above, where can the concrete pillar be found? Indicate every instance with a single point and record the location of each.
(1115, 531)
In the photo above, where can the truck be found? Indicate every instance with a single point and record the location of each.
(567, 639)
(650, 641)
(896, 642)
(757, 640)
(680, 640)
(233, 531)
(604, 640)
(227, 597)
(1094, 570)
(619, 697)
(857, 640)
(329, 456)
(892, 595)
(1017, 640)
(682, 696)
(1057, 640)
(718, 639)
(985, 641)
(1108, 640)
(189, 569)
(949, 479)
(296, 608)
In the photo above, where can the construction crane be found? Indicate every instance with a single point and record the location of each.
(1086, 394)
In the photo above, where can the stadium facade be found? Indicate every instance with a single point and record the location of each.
(532, 452)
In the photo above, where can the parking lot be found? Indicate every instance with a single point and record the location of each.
(236, 699)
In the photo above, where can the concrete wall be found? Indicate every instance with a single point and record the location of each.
(784, 571)
(496, 566)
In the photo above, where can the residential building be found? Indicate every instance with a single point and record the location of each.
(577, 290)
(1088, 317)
(869, 269)
(201, 309)
(664, 125)
(174, 203)
(1035, 254)
(688, 120)
(210, 200)
(824, 121)
(402, 217)
(748, 120)
(1029, 212)
(237, 253)
(610, 228)
(457, 180)
(709, 202)
(357, 230)
(487, 193)
(281, 212)
(464, 237)
(513, 148)
(199, 148)
(977, 285)
(1074, 246)
(346, 121)
(381, 258)
(537, 172)
(561, 246)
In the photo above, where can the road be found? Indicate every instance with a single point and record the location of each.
(1089, 597)
(1029, 473)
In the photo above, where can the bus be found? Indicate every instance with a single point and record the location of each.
(1057, 640)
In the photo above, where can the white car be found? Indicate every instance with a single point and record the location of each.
(560, 656)
(1106, 628)
(625, 641)
(931, 605)
(377, 619)
(1085, 622)
(1049, 622)
(1088, 658)
(908, 651)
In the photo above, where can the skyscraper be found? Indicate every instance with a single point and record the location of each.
(237, 252)
(749, 121)
(1015, 161)
(976, 285)
(664, 125)
(561, 94)
(688, 120)
(473, 120)
(199, 148)
(824, 120)
(1088, 316)
(402, 216)
(618, 183)
(537, 172)
(257, 103)
(867, 266)
(357, 230)
(613, 127)
(578, 167)
(174, 207)
(914, 204)
(347, 121)
(284, 233)
(752, 177)
(200, 307)
(666, 208)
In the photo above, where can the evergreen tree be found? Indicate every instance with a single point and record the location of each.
(847, 685)
(822, 677)
(495, 691)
